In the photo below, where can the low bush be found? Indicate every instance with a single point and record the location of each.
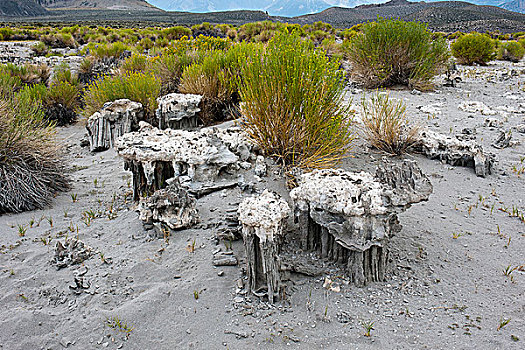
(390, 52)
(59, 40)
(386, 125)
(28, 74)
(474, 48)
(511, 51)
(32, 169)
(40, 49)
(291, 103)
(134, 63)
(138, 87)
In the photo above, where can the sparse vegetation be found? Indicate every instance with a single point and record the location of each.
(386, 125)
(511, 51)
(292, 95)
(390, 52)
(474, 48)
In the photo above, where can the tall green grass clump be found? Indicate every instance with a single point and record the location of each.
(31, 164)
(391, 52)
(474, 48)
(511, 51)
(138, 87)
(292, 103)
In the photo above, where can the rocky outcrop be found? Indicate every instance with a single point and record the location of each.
(263, 218)
(202, 160)
(113, 120)
(172, 207)
(349, 217)
(453, 151)
(178, 111)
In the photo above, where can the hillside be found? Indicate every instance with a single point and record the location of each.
(135, 5)
(20, 8)
(441, 16)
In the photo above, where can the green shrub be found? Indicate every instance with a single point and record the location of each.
(59, 40)
(473, 48)
(31, 163)
(292, 103)
(511, 51)
(134, 63)
(176, 33)
(391, 52)
(104, 50)
(138, 87)
(386, 125)
(40, 49)
(28, 73)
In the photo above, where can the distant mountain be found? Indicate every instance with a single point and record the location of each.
(292, 8)
(446, 16)
(20, 8)
(516, 6)
(287, 8)
(135, 5)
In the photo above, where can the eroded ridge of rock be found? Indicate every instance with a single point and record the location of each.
(348, 217)
(71, 252)
(113, 120)
(201, 160)
(453, 151)
(171, 206)
(263, 218)
(178, 111)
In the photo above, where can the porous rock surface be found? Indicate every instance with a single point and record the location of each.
(71, 252)
(198, 158)
(348, 217)
(453, 151)
(178, 111)
(113, 120)
(171, 206)
(263, 218)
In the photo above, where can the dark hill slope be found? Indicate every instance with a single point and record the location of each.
(21, 8)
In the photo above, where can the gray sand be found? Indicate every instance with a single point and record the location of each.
(441, 293)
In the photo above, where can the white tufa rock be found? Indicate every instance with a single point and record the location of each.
(475, 107)
(178, 111)
(112, 121)
(453, 151)
(265, 214)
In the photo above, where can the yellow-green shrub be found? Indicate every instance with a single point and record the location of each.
(390, 52)
(292, 103)
(473, 48)
(511, 51)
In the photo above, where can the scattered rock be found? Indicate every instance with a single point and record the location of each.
(71, 252)
(178, 111)
(260, 167)
(475, 107)
(503, 140)
(224, 259)
(171, 206)
(113, 120)
(453, 151)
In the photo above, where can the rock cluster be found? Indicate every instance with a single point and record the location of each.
(113, 120)
(178, 111)
(453, 151)
(348, 217)
(171, 206)
(201, 160)
(263, 218)
(71, 252)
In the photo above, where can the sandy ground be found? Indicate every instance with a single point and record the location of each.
(446, 288)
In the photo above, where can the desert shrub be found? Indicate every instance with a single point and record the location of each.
(40, 49)
(511, 51)
(176, 33)
(103, 50)
(145, 44)
(292, 103)
(134, 63)
(168, 68)
(59, 40)
(473, 48)
(390, 52)
(386, 125)
(138, 87)
(215, 79)
(31, 164)
(8, 83)
(6, 33)
(28, 73)
(522, 42)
